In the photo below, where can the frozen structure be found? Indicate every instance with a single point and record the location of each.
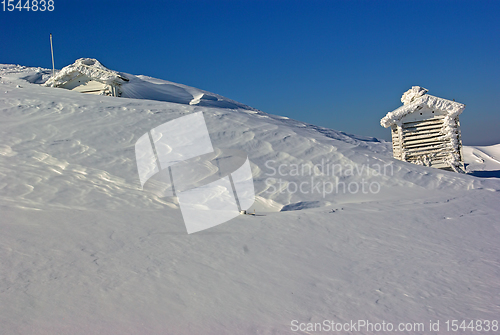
(88, 75)
(426, 130)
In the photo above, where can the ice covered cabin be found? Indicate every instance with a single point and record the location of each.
(426, 130)
(88, 75)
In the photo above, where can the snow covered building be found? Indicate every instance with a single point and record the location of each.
(88, 75)
(426, 130)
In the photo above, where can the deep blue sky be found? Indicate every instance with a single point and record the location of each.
(338, 64)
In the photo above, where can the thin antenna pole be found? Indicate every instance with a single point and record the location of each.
(52, 52)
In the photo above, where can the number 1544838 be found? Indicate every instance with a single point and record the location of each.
(28, 5)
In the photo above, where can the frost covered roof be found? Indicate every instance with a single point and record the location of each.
(416, 97)
(90, 67)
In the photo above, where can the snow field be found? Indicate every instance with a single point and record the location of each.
(83, 250)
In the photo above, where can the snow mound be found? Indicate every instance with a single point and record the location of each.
(34, 75)
(138, 87)
(483, 161)
(90, 67)
(144, 87)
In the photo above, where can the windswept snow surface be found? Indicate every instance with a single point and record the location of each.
(483, 161)
(84, 250)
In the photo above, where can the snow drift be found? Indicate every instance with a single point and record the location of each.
(87, 143)
(136, 87)
(84, 250)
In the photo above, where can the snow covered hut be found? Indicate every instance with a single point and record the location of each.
(88, 75)
(426, 130)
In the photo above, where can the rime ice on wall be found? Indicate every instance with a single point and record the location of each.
(415, 138)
